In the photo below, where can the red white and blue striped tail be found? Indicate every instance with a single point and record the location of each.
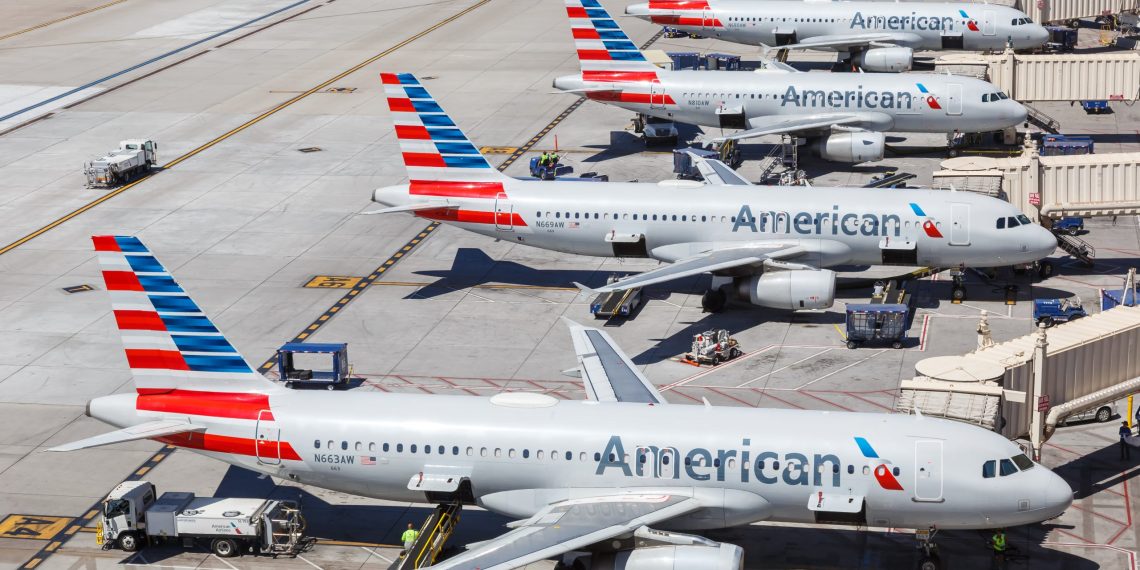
(433, 147)
(604, 51)
(170, 343)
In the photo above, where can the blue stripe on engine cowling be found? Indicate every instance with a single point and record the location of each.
(145, 264)
(203, 344)
(456, 148)
(163, 303)
(426, 107)
(446, 135)
(187, 324)
(465, 162)
(865, 447)
(130, 244)
(415, 92)
(627, 56)
(437, 121)
(211, 363)
(159, 284)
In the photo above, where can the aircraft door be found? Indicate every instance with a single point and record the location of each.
(954, 99)
(656, 96)
(504, 214)
(268, 439)
(960, 224)
(989, 23)
(707, 20)
(928, 471)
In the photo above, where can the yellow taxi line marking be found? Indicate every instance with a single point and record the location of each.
(61, 19)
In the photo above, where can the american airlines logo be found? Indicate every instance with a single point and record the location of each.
(839, 99)
(820, 223)
(912, 22)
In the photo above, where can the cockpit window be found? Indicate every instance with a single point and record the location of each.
(1023, 219)
(1001, 223)
(1022, 461)
(1012, 221)
(989, 469)
(1007, 468)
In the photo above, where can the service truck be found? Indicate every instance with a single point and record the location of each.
(132, 159)
(134, 516)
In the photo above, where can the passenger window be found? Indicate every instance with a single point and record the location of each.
(539, 454)
(1001, 223)
(399, 448)
(1022, 462)
(988, 469)
(569, 456)
(359, 446)
(511, 453)
(372, 447)
(470, 451)
(896, 471)
(1007, 468)
(498, 452)
(317, 444)
(330, 446)
(344, 445)
(385, 447)
(442, 450)
(455, 450)
(526, 453)
(850, 469)
(412, 449)
(582, 456)
(482, 452)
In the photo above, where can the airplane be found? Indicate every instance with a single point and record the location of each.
(579, 475)
(842, 116)
(877, 36)
(765, 245)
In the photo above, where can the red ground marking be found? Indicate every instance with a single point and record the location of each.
(454, 385)
(412, 384)
(810, 395)
(733, 398)
(680, 393)
(778, 399)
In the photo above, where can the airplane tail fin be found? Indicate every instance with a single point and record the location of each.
(170, 343)
(440, 159)
(604, 51)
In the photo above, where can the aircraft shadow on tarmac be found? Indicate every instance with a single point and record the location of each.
(472, 268)
(769, 547)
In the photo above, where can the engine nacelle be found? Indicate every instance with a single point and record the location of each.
(890, 59)
(723, 556)
(789, 289)
(852, 148)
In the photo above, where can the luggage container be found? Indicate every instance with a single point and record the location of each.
(871, 322)
(685, 59)
(1057, 145)
(683, 164)
(1095, 107)
(1061, 38)
(722, 62)
(332, 378)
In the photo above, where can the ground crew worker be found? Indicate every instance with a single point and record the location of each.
(409, 537)
(997, 542)
(1125, 433)
(554, 159)
(544, 159)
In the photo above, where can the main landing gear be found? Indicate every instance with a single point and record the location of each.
(928, 549)
(714, 300)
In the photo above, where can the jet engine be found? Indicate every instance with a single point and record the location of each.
(788, 289)
(884, 59)
(721, 556)
(851, 147)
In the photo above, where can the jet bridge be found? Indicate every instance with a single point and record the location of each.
(1036, 380)
(1112, 76)
(1051, 186)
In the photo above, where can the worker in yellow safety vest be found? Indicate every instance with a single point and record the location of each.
(409, 537)
(997, 542)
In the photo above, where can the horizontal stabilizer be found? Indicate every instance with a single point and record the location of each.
(588, 90)
(410, 208)
(147, 430)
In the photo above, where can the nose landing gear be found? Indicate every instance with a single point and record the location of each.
(928, 557)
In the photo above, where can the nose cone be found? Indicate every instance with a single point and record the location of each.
(638, 10)
(391, 195)
(1042, 243)
(568, 82)
(1015, 112)
(1056, 495)
(1038, 35)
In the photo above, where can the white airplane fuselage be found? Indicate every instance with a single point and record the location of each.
(837, 225)
(905, 102)
(924, 25)
(746, 464)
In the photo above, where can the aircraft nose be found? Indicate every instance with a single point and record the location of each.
(390, 195)
(1017, 112)
(1043, 242)
(1039, 35)
(1056, 494)
(639, 10)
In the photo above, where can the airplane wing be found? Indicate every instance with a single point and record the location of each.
(844, 42)
(608, 373)
(717, 173)
(780, 124)
(571, 525)
(146, 430)
(717, 260)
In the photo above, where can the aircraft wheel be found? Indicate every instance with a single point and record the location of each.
(713, 301)
(930, 564)
(958, 293)
(129, 541)
(1045, 269)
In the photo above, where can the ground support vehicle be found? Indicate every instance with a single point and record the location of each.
(713, 347)
(132, 159)
(1071, 225)
(337, 376)
(1049, 312)
(877, 321)
(133, 517)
